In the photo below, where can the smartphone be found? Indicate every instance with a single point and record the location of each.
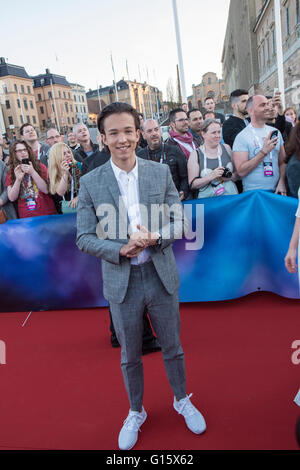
(25, 161)
(274, 134)
(276, 90)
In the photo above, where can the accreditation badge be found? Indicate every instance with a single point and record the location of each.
(268, 169)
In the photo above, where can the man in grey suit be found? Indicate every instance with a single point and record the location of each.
(128, 215)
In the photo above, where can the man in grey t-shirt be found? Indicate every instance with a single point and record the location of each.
(258, 156)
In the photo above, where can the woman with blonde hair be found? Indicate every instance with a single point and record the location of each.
(64, 174)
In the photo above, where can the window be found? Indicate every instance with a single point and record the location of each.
(209, 81)
(10, 120)
(18, 103)
(64, 95)
(22, 89)
(33, 119)
(29, 90)
(69, 120)
(21, 119)
(42, 109)
(75, 98)
(67, 107)
(287, 20)
(39, 97)
(71, 108)
(7, 104)
(76, 109)
(268, 48)
(49, 94)
(25, 104)
(28, 119)
(69, 96)
(273, 41)
(59, 94)
(16, 88)
(43, 123)
(31, 104)
(73, 122)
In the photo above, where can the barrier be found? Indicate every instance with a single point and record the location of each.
(245, 240)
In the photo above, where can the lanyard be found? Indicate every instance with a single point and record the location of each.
(162, 154)
(257, 140)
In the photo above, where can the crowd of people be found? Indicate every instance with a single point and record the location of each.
(255, 147)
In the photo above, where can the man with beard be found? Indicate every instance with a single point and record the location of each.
(237, 121)
(195, 122)
(161, 152)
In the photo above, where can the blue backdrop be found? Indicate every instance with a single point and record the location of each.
(245, 240)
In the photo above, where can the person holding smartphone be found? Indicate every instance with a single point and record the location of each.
(27, 182)
(258, 151)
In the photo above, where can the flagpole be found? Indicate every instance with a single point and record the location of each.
(179, 52)
(116, 89)
(150, 95)
(143, 103)
(100, 107)
(129, 87)
(279, 52)
(53, 97)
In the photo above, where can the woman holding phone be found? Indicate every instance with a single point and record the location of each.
(27, 182)
(64, 174)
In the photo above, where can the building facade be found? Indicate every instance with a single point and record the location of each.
(17, 99)
(239, 56)
(211, 86)
(54, 101)
(80, 103)
(249, 56)
(145, 98)
(266, 48)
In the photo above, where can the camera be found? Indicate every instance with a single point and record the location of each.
(25, 161)
(227, 173)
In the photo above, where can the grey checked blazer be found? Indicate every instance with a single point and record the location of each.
(102, 223)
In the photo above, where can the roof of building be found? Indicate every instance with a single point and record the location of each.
(49, 78)
(10, 69)
(121, 85)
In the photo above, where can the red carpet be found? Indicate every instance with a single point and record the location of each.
(62, 388)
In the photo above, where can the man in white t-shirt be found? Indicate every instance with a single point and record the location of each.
(259, 154)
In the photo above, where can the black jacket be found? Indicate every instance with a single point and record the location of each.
(231, 128)
(176, 160)
(95, 160)
(80, 154)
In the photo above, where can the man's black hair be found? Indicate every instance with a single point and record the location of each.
(192, 111)
(173, 112)
(117, 107)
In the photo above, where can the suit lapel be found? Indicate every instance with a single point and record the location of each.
(113, 188)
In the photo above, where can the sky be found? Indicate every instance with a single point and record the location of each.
(77, 38)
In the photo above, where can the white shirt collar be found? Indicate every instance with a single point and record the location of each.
(119, 172)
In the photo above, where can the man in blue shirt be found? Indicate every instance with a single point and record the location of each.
(258, 156)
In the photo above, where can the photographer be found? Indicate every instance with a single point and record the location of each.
(210, 168)
(64, 175)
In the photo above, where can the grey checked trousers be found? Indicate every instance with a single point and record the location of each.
(145, 289)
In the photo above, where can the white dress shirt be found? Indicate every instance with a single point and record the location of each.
(129, 189)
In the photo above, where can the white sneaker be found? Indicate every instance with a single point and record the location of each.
(193, 418)
(129, 432)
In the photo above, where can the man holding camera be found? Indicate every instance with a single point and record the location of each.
(258, 151)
